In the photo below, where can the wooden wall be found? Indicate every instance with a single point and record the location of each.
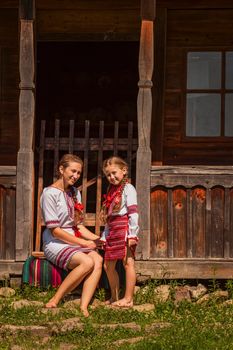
(198, 25)
(9, 82)
(88, 20)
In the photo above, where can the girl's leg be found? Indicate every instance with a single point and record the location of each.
(130, 273)
(113, 279)
(81, 264)
(91, 281)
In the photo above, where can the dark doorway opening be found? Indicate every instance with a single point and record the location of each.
(86, 81)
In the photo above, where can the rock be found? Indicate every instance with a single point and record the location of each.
(156, 325)
(162, 293)
(127, 341)
(217, 296)
(130, 325)
(72, 304)
(141, 279)
(198, 291)
(6, 292)
(136, 289)
(26, 303)
(40, 331)
(66, 325)
(144, 307)
(181, 294)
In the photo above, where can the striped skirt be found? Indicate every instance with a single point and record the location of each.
(115, 247)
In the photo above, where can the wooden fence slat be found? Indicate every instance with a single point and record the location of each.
(116, 135)
(99, 177)
(85, 165)
(129, 150)
(71, 136)
(189, 224)
(2, 222)
(170, 224)
(208, 223)
(180, 218)
(198, 222)
(217, 198)
(227, 232)
(40, 185)
(10, 224)
(56, 148)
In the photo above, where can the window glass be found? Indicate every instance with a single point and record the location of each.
(229, 115)
(204, 70)
(203, 114)
(229, 70)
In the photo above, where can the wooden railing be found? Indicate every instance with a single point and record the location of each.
(92, 150)
(191, 212)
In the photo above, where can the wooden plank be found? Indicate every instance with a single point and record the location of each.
(198, 196)
(197, 4)
(179, 222)
(2, 222)
(231, 220)
(99, 178)
(7, 170)
(170, 220)
(208, 223)
(217, 225)
(27, 9)
(159, 223)
(115, 140)
(89, 5)
(148, 8)
(129, 149)
(56, 148)
(186, 268)
(10, 224)
(71, 136)
(227, 222)
(85, 165)
(40, 186)
(189, 223)
(10, 267)
(79, 144)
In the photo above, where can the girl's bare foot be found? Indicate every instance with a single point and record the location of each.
(51, 304)
(123, 303)
(109, 301)
(85, 312)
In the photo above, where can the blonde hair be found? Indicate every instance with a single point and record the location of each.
(114, 160)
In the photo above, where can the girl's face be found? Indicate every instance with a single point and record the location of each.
(115, 174)
(70, 174)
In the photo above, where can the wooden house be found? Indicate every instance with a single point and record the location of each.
(72, 72)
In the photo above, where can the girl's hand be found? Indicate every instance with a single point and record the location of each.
(100, 243)
(132, 242)
(90, 244)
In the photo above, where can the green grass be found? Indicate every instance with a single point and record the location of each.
(192, 326)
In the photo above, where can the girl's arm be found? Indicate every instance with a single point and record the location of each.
(70, 239)
(132, 209)
(85, 233)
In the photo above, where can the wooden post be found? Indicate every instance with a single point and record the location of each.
(25, 159)
(144, 111)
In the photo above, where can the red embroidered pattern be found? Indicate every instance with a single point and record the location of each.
(52, 222)
(132, 209)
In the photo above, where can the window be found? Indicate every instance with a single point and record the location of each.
(209, 94)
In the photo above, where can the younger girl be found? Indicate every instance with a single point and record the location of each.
(120, 236)
(66, 241)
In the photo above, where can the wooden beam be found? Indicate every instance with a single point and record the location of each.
(144, 111)
(27, 9)
(186, 268)
(25, 159)
(148, 8)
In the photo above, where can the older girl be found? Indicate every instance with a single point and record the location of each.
(66, 241)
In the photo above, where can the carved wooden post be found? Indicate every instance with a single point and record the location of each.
(144, 110)
(25, 160)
